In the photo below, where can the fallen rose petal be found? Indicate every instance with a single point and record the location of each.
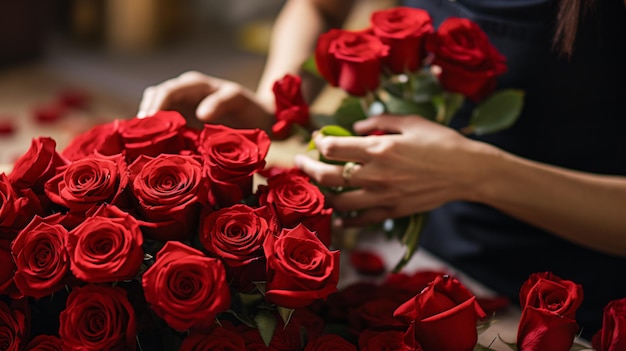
(48, 113)
(7, 127)
(72, 98)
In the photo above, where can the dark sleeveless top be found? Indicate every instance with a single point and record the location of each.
(574, 117)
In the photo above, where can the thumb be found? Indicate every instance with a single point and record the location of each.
(385, 123)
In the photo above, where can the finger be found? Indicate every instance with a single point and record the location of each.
(226, 99)
(343, 148)
(146, 102)
(323, 173)
(357, 200)
(387, 123)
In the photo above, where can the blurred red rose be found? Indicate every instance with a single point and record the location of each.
(16, 208)
(89, 182)
(103, 139)
(186, 288)
(231, 157)
(45, 343)
(218, 339)
(98, 318)
(310, 321)
(444, 305)
(40, 257)
(549, 306)
(290, 106)
(159, 134)
(388, 340)
(13, 328)
(612, 335)
(402, 286)
(367, 262)
(330, 342)
(350, 60)
(300, 267)
(170, 191)
(297, 201)
(7, 268)
(36, 166)
(403, 29)
(286, 338)
(376, 314)
(106, 247)
(469, 63)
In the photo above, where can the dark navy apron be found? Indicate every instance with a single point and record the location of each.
(574, 117)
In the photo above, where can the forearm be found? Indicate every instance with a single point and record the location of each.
(293, 40)
(584, 208)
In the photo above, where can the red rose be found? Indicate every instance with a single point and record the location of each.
(218, 339)
(186, 288)
(350, 60)
(286, 338)
(611, 336)
(106, 247)
(403, 29)
(296, 200)
(42, 263)
(469, 63)
(340, 303)
(388, 340)
(236, 234)
(375, 314)
(103, 139)
(170, 190)
(549, 306)
(45, 343)
(330, 342)
(443, 306)
(36, 166)
(89, 182)
(13, 330)
(402, 287)
(290, 106)
(231, 157)
(310, 321)
(300, 268)
(7, 268)
(16, 209)
(98, 318)
(159, 134)
(367, 262)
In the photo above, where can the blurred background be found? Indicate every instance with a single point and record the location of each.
(66, 65)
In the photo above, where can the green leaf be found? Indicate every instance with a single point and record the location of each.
(453, 103)
(399, 106)
(285, 314)
(266, 322)
(496, 113)
(310, 66)
(251, 300)
(349, 111)
(262, 287)
(424, 86)
(331, 130)
(411, 238)
(483, 326)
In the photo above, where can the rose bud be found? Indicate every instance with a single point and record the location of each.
(611, 336)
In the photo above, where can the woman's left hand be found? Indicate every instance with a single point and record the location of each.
(418, 166)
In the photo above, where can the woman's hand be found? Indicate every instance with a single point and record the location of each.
(204, 99)
(421, 166)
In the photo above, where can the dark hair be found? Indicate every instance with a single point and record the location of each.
(568, 18)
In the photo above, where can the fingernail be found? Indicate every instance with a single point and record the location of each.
(141, 115)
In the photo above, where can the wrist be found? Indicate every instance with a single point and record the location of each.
(481, 172)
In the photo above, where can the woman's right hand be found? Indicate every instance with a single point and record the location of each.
(205, 99)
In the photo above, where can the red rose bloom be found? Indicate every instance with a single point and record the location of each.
(549, 306)
(170, 190)
(375, 314)
(36, 166)
(218, 339)
(231, 157)
(290, 106)
(42, 263)
(103, 139)
(330, 342)
(388, 340)
(186, 288)
(469, 63)
(296, 200)
(443, 306)
(611, 336)
(7, 268)
(159, 134)
(403, 29)
(89, 182)
(350, 60)
(402, 287)
(16, 210)
(367, 262)
(106, 247)
(300, 268)
(98, 318)
(13, 330)
(236, 234)
(45, 343)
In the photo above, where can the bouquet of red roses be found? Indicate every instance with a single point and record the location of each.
(401, 65)
(146, 234)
